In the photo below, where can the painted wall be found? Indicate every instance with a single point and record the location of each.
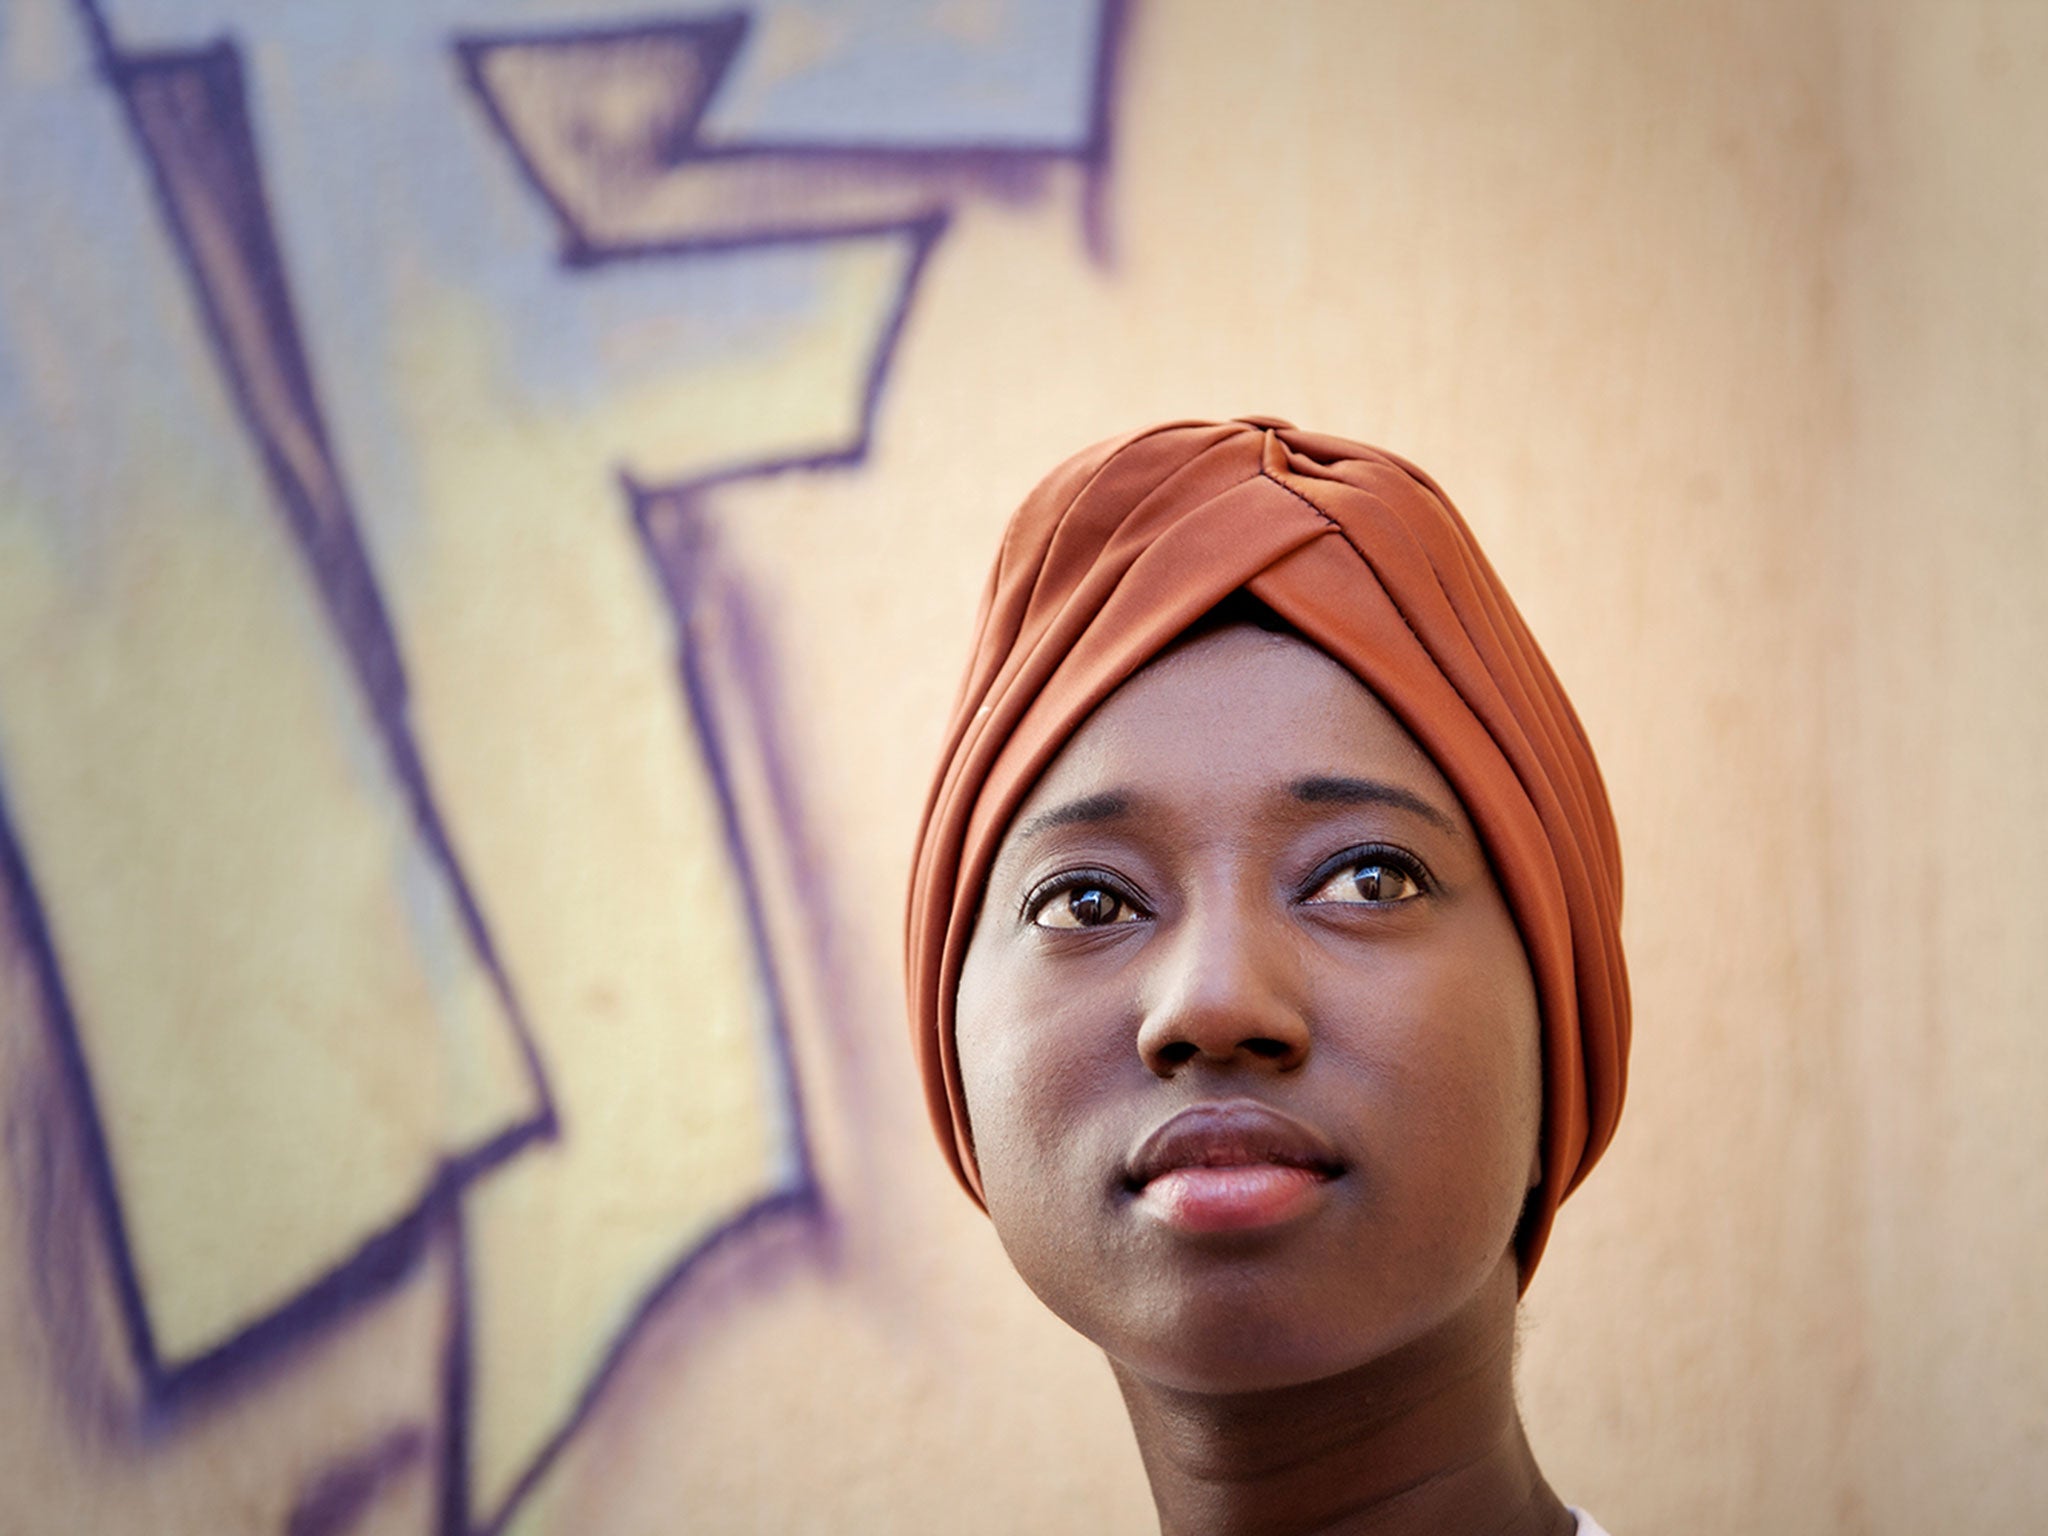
(491, 502)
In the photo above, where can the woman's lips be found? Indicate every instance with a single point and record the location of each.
(1235, 1199)
(1230, 1166)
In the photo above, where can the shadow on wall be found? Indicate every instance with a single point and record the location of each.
(368, 917)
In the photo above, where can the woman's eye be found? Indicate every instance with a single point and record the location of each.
(1368, 881)
(1083, 906)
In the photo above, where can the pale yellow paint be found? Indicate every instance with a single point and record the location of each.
(285, 1025)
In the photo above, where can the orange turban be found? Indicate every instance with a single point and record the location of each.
(1125, 546)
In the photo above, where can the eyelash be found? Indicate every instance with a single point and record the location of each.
(1399, 859)
(1067, 881)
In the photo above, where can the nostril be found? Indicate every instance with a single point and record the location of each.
(1178, 1053)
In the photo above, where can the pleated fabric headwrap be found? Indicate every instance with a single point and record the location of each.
(1124, 547)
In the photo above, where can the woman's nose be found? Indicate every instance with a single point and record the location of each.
(1226, 993)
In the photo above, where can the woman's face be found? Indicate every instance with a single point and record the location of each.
(1249, 1043)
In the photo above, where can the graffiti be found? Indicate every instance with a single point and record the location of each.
(389, 790)
(653, 181)
(190, 121)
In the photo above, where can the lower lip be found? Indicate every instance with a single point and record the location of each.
(1238, 1199)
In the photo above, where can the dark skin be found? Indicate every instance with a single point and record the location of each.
(1251, 1056)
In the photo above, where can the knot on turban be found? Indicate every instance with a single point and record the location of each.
(1124, 547)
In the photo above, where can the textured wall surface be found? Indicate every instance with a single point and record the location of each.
(492, 497)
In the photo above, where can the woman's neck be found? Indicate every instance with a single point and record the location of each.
(1427, 1440)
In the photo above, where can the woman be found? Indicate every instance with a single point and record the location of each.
(1266, 971)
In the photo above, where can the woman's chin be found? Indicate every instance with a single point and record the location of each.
(1229, 1331)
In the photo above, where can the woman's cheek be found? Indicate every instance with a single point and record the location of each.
(1009, 1069)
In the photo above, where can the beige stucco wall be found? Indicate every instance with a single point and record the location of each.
(1937, 734)
(1727, 327)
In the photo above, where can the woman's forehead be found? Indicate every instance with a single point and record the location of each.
(1241, 711)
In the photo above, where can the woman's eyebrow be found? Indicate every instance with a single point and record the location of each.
(1107, 806)
(1338, 790)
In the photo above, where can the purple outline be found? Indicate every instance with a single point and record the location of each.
(59, 1217)
(925, 228)
(457, 1379)
(688, 590)
(76, 1080)
(341, 572)
(1112, 36)
(719, 36)
(339, 1497)
(756, 679)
